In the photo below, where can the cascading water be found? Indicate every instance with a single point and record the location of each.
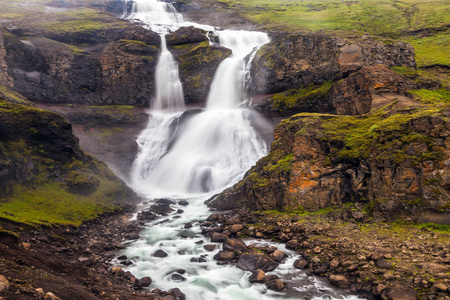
(191, 157)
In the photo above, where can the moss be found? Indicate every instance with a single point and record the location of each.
(133, 42)
(432, 50)
(283, 165)
(11, 96)
(201, 55)
(55, 188)
(380, 134)
(8, 233)
(432, 96)
(303, 97)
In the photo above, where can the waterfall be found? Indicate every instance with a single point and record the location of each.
(191, 156)
(169, 91)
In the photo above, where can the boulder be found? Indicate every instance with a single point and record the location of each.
(399, 293)
(300, 263)
(275, 285)
(234, 245)
(160, 253)
(339, 281)
(224, 255)
(252, 262)
(145, 281)
(218, 237)
(257, 276)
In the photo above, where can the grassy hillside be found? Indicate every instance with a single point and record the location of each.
(423, 23)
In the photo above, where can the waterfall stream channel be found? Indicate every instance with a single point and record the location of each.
(187, 157)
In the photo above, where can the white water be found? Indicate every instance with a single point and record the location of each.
(192, 157)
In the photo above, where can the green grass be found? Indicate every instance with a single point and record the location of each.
(388, 18)
(432, 50)
(383, 134)
(432, 96)
(13, 97)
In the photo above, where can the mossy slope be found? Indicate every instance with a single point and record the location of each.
(46, 178)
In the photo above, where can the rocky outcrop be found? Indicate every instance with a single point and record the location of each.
(197, 66)
(296, 60)
(393, 163)
(39, 154)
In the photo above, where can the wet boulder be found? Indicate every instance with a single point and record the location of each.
(235, 245)
(254, 261)
(224, 255)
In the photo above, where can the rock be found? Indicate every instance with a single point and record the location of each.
(122, 257)
(384, 264)
(434, 268)
(213, 217)
(161, 209)
(178, 277)
(145, 281)
(177, 294)
(235, 228)
(218, 237)
(439, 287)
(160, 253)
(117, 271)
(234, 245)
(51, 296)
(399, 293)
(4, 283)
(224, 255)
(378, 289)
(127, 275)
(210, 247)
(257, 276)
(188, 225)
(252, 262)
(321, 269)
(26, 246)
(300, 263)
(317, 250)
(186, 35)
(275, 285)
(278, 255)
(183, 202)
(339, 281)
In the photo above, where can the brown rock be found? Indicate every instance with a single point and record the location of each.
(384, 264)
(4, 283)
(224, 255)
(257, 276)
(210, 247)
(339, 281)
(26, 246)
(235, 228)
(218, 237)
(145, 281)
(378, 289)
(275, 285)
(278, 255)
(399, 293)
(300, 263)
(234, 245)
(117, 271)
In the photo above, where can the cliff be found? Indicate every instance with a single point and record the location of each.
(45, 177)
(390, 163)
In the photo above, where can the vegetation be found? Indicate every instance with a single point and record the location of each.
(51, 186)
(301, 98)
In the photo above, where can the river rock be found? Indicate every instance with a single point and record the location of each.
(339, 281)
(224, 255)
(300, 263)
(4, 283)
(145, 281)
(278, 255)
(257, 276)
(234, 245)
(275, 285)
(209, 247)
(51, 296)
(252, 262)
(178, 295)
(213, 217)
(235, 228)
(161, 209)
(178, 277)
(159, 253)
(218, 237)
(117, 271)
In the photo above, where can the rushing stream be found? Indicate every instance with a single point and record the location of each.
(186, 158)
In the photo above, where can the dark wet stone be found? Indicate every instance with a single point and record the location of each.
(160, 253)
(300, 263)
(252, 262)
(145, 281)
(178, 277)
(234, 245)
(218, 237)
(122, 257)
(257, 276)
(183, 202)
(188, 225)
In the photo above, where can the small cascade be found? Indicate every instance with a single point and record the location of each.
(228, 86)
(156, 15)
(169, 91)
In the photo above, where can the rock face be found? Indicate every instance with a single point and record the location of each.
(108, 67)
(39, 154)
(296, 60)
(393, 163)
